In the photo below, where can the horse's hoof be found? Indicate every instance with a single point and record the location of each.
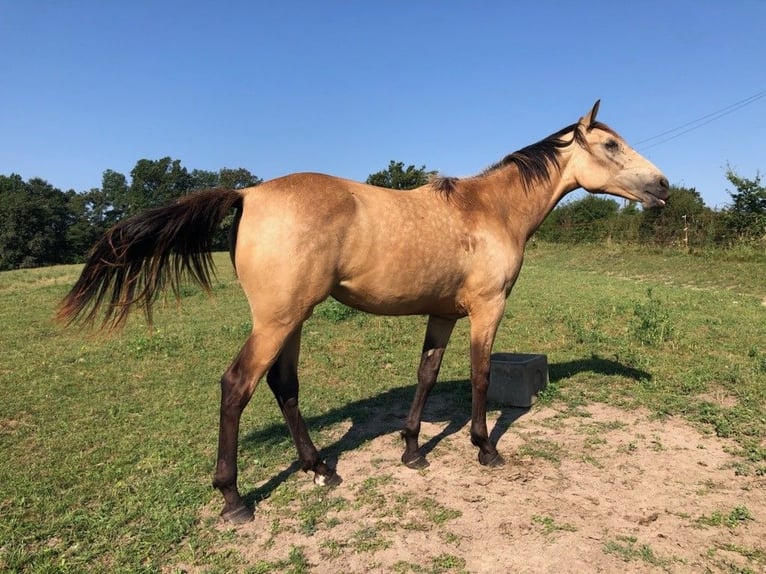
(415, 462)
(491, 459)
(239, 515)
(328, 480)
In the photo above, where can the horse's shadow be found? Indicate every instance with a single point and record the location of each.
(386, 412)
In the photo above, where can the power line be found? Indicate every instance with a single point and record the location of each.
(713, 115)
(699, 122)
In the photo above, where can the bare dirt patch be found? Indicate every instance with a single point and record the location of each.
(595, 490)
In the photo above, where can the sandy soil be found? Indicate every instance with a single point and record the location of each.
(600, 490)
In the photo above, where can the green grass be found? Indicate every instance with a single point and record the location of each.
(109, 442)
(441, 564)
(541, 448)
(295, 563)
(628, 548)
(732, 519)
(549, 526)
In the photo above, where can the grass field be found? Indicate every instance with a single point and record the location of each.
(109, 442)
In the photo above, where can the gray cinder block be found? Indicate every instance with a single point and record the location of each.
(515, 379)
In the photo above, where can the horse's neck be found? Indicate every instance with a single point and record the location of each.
(548, 196)
(527, 207)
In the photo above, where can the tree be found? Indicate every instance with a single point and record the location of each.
(157, 182)
(583, 220)
(680, 219)
(397, 177)
(228, 178)
(90, 214)
(238, 178)
(81, 229)
(41, 225)
(114, 187)
(746, 216)
(204, 179)
(33, 223)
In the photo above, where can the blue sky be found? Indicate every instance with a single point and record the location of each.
(344, 87)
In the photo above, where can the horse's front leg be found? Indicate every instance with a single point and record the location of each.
(483, 329)
(437, 336)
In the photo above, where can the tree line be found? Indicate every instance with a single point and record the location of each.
(685, 221)
(42, 225)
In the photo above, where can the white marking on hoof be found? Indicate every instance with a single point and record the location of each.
(320, 479)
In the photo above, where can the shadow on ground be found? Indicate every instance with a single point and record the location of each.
(386, 412)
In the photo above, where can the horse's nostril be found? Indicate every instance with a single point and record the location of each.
(664, 184)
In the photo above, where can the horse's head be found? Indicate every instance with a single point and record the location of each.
(604, 163)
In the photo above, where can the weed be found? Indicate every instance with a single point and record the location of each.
(284, 494)
(599, 429)
(628, 448)
(314, 506)
(295, 563)
(156, 343)
(541, 448)
(442, 564)
(403, 567)
(450, 538)
(755, 554)
(447, 563)
(331, 548)
(591, 460)
(549, 394)
(368, 492)
(627, 548)
(437, 512)
(368, 539)
(594, 442)
(652, 324)
(239, 330)
(734, 518)
(549, 525)
(334, 311)
(189, 290)
(585, 332)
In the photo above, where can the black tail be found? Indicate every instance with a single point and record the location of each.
(141, 256)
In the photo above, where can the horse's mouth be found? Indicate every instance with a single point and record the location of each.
(651, 200)
(654, 197)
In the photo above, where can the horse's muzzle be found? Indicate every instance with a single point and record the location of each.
(657, 194)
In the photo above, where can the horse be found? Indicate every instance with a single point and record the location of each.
(450, 249)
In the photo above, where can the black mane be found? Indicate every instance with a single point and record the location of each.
(534, 161)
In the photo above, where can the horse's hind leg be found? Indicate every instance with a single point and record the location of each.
(437, 336)
(283, 382)
(237, 386)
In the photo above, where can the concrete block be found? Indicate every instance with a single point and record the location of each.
(515, 379)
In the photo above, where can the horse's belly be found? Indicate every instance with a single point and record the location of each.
(398, 298)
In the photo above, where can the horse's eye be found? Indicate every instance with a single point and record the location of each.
(611, 145)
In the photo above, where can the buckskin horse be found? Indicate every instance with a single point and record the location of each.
(450, 249)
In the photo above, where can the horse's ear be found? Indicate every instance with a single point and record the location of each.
(588, 120)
